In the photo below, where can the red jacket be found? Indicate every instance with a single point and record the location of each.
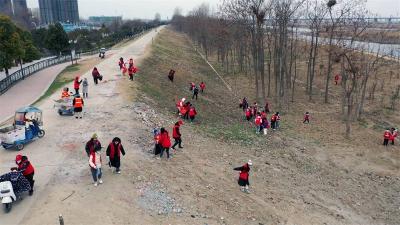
(202, 86)
(248, 113)
(175, 132)
(273, 118)
(244, 172)
(306, 116)
(258, 120)
(387, 135)
(26, 167)
(165, 140)
(112, 150)
(76, 84)
(192, 111)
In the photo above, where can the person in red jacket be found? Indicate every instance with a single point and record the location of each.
(176, 135)
(192, 113)
(202, 86)
(243, 180)
(393, 135)
(165, 142)
(273, 122)
(192, 85)
(26, 168)
(248, 113)
(386, 137)
(306, 118)
(131, 71)
(121, 63)
(337, 78)
(96, 75)
(114, 151)
(258, 122)
(77, 84)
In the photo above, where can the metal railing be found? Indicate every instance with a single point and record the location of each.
(21, 74)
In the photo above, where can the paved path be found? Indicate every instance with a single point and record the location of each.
(16, 68)
(65, 137)
(27, 91)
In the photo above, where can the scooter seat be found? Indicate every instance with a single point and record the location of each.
(5, 191)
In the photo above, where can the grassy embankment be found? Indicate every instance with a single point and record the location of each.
(218, 112)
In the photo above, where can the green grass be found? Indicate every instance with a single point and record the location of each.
(61, 80)
(218, 114)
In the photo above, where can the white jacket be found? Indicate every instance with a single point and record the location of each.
(96, 163)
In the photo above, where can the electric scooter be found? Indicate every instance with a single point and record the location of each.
(7, 195)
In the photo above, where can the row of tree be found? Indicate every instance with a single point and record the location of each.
(16, 44)
(269, 39)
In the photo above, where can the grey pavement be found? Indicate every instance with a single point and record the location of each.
(16, 68)
(27, 91)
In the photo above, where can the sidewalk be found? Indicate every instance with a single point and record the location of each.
(16, 68)
(28, 91)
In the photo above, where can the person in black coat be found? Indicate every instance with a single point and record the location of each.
(114, 151)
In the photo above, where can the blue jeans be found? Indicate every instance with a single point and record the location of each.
(96, 173)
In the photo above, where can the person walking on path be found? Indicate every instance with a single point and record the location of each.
(26, 168)
(95, 162)
(96, 76)
(202, 87)
(114, 151)
(306, 118)
(243, 180)
(78, 106)
(386, 137)
(273, 122)
(176, 134)
(165, 142)
(77, 84)
(85, 88)
(195, 92)
(192, 113)
(92, 145)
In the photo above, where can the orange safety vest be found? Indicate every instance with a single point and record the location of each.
(78, 103)
(65, 94)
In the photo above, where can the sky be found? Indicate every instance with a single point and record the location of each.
(146, 9)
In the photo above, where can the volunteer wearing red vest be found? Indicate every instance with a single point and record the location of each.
(96, 75)
(394, 133)
(273, 122)
(248, 114)
(95, 162)
(202, 86)
(258, 122)
(27, 170)
(77, 84)
(78, 106)
(306, 118)
(243, 180)
(65, 93)
(176, 134)
(165, 142)
(114, 151)
(192, 113)
(386, 137)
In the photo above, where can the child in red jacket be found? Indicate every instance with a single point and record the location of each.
(306, 118)
(386, 137)
(243, 180)
(165, 142)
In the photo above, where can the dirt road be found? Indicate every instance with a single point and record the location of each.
(59, 157)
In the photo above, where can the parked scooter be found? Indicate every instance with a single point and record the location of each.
(7, 195)
(12, 185)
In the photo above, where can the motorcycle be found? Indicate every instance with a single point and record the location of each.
(12, 185)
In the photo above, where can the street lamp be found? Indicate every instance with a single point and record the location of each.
(72, 43)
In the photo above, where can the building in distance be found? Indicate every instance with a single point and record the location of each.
(106, 20)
